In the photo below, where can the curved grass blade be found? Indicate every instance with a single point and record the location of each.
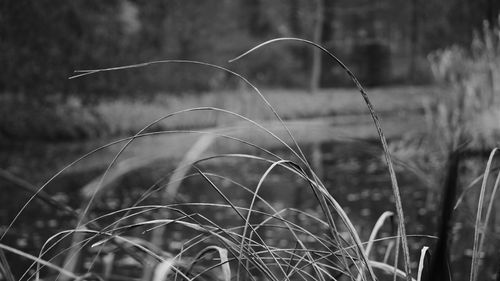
(99, 183)
(267, 103)
(224, 262)
(470, 186)
(488, 212)
(5, 270)
(252, 202)
(387, 155)
(376, 229)
(479, 225)
(390, 269)
(38, 260)
(88, 72)
(424, 260)
(163, 269)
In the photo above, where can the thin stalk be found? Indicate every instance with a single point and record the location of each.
(387, 155)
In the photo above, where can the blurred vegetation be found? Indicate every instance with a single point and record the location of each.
(464, 111)
(44, 41)
(467, 110)
(67, 119)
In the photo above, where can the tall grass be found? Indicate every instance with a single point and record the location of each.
(462, 122)
(165, 237)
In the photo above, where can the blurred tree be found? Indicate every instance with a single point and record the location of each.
(293, 12)
(257, 24)
(317, 38)
(43, 41)
(413, 40)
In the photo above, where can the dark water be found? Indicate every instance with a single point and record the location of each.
(353, 172)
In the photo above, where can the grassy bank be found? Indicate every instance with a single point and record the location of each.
(69, 119)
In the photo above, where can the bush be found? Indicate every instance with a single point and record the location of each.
(471, 90)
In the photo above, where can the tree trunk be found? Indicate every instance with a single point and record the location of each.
(316, 60)
(293, 17)
(256, 23)
(412, 73)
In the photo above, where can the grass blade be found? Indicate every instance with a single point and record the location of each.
(5, 268)
(479, 225)
(39, 260)
(376, 229)
(224, 261)
(390, 269)
(387, 155)
(163, 269)
(423, 263)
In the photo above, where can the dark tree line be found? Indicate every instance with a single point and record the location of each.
(42, 42)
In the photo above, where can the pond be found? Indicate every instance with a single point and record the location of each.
(354, 172)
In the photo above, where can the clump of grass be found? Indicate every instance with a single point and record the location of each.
(473, 93)
(463, 114)
(256, 239)
(461, 120)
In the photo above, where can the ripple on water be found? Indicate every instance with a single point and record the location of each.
(22, 242)
(377, 196)
(352, 197)
(365, 212)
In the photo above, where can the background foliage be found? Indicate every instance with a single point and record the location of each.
(42, 42)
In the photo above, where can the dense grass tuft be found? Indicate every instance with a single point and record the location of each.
(234, 231)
